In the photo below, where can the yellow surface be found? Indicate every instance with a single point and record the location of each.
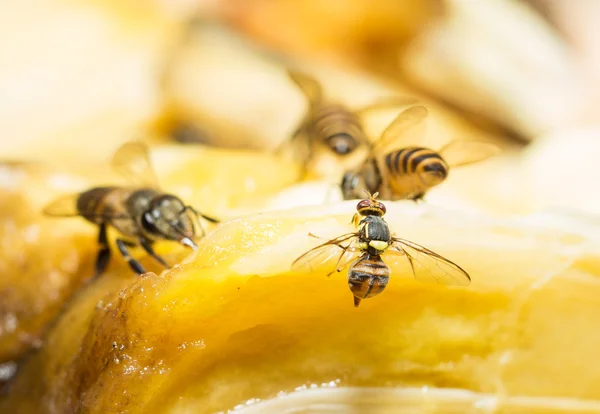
(232, 323)
(45, 260)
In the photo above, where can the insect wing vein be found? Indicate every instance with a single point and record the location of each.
(429, 266)
(321, 254)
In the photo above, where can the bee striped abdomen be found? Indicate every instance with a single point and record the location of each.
(415, 160)
(404, 165)
(338, 128)
(94, 204)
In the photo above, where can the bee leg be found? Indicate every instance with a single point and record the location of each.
(201, 228)
(134, 264)
(147, 246)
(419, 198)
(356, 301)
(103, 256)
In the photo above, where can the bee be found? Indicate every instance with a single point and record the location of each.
(142, 213)
(332, 124)
(408, 172)
(369, 275)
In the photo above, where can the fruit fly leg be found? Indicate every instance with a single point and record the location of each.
(134, 264)
(103, 253)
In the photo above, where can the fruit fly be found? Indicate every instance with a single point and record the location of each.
(332, 124)
(142, 213)
(399, 171)
(369, 275)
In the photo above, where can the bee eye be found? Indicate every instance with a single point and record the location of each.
(341, 143)
(148, 223)
(342, 148)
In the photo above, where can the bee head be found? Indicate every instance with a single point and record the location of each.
(370, 206)
(352, 184)
(168, 218)
(366, 178)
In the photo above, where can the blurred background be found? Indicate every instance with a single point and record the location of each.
(79, 78)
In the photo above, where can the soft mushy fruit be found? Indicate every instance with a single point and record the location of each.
(43, 260)
(41, 264)
(232, 322)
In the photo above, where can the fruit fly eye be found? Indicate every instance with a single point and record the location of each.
(371, 207)
(364, 204)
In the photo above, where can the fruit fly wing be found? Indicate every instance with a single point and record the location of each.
(316, 256)
(458, 153)
(396, 133)
(309, 85)
(64, 206)
(133, 162)
(428, 266)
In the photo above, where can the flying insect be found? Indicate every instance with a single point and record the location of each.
(368, 275)
(331, 124)
(399, 171)
(142, 213)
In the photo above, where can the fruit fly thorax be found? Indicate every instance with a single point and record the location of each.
(373, 235)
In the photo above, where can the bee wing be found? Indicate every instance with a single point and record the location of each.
(325, 252)
(309, 85)
(396, 134)
(429, 266)
(133, 162)
(387, 102)
(64, 206)
(458, 153)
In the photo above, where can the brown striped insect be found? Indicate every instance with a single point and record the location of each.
(369, 275)
(399, 171)
(331, 124)
(142, 213)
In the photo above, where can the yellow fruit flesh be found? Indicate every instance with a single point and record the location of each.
(45, 260)
(232, 322)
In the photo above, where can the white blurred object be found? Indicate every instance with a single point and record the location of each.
(563, 170)
(64, 65)
(501, 60)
